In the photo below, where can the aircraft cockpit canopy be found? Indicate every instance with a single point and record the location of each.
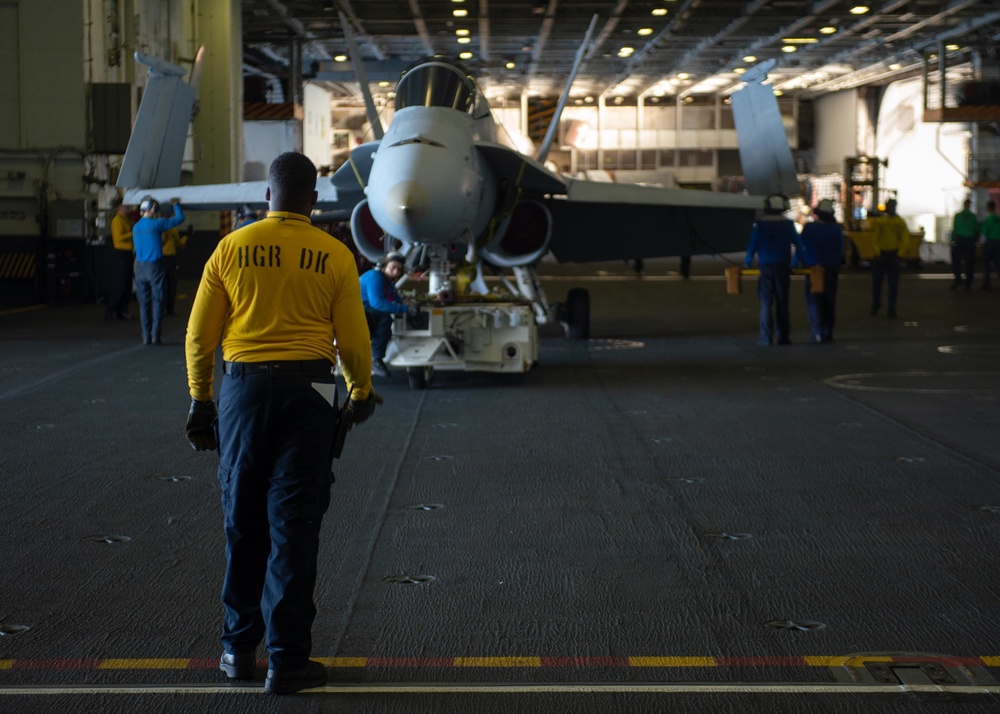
(436, 82)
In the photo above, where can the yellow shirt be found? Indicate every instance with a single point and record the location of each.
(172, 240)
(121, 232)
(279, 289)
(891, 233)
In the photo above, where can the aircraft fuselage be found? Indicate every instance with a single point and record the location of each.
(427, 184)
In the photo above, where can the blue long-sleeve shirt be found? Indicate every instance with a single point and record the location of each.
(771, 240)
(147, 235)
(823, 243)
(377, 293)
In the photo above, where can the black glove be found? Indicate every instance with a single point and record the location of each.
(200, 428)
(364, 408)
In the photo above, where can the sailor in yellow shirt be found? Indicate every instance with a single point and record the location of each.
(283, 299)
(891, 237)
(173, 241)
(121, 240)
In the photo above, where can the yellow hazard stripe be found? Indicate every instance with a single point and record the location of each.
(990, 661)
(18, 266)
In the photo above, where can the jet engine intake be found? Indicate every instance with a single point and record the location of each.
(369, 238)
(522, 238)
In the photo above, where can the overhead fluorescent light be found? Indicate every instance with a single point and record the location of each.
(828, 30)
(643, 31)
(750, 58)
(464, 40)
(659, 11)
(859, 9)
(460, 13)
(789, 48)
(799, 40)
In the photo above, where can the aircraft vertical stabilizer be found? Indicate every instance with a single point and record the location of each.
(550, 134)
(156, 147)
(764, 153)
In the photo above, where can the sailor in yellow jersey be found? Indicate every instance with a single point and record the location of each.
(173, 242)
(891, 236)
(121, 238)
(283, 299)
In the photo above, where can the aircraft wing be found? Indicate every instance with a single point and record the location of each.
(529, 175)
(338, 194)
(607, 221)
(155, 149)
(594, 221)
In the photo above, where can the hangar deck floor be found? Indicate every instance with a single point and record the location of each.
(665, 517)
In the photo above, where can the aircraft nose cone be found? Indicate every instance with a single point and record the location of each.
(407, 203)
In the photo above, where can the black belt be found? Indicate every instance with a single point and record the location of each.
(309, 367)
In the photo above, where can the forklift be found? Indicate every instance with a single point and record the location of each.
(864, 201)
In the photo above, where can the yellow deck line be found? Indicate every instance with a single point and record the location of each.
(342, 661)
(672, 662)
(145, 664)
(497, 662)
(529, 688)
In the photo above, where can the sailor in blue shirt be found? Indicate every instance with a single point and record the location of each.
(771, 241)
(382, 301)
(823, 240)
(150, 272)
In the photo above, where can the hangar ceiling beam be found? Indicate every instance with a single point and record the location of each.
(421, 25)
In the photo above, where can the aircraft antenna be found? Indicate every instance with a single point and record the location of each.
(550, 134)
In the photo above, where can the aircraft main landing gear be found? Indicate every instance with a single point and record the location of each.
(576, 314)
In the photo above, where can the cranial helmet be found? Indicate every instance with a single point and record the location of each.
(245, 211)
(393, 256)
(149, 204)
(776, 203)
(825, 207)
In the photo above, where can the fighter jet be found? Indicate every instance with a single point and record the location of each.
(438, 178)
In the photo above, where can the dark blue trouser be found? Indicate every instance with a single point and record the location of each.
(772, 291)
(380, 327)
(169, 283)
(991, 260)
(885, 266)
(275, 438)
(121, 293)
(822, 307)
(150, 289)
(963, 259)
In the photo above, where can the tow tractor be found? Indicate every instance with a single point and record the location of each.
(480, 330)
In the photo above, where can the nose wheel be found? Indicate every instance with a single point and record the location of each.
(418, 377)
